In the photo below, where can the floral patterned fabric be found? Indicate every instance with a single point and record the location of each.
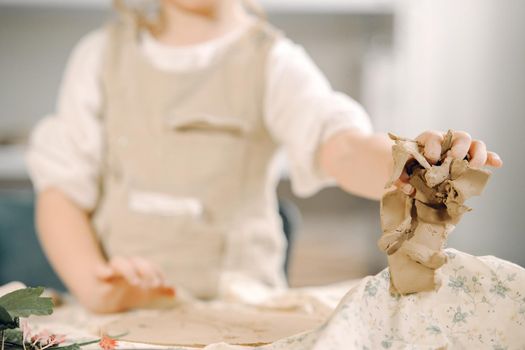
(480, 305)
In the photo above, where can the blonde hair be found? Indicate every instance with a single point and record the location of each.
(152, 19)
(255, 8)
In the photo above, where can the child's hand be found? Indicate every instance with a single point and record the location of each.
(126, 283)
(137, 271)
(462, 145)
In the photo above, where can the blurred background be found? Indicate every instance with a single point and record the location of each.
(414, 65)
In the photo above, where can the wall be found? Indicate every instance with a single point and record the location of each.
(461, 65)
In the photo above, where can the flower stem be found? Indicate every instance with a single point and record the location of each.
(3, 338)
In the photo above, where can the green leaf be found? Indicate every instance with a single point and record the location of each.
(26, 302)
(5, 317)
(14, 336)
(6, 320)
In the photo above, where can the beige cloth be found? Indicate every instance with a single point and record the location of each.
(187, 165)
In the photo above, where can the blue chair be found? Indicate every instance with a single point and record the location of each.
(21, 258)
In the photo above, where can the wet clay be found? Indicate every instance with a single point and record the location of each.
(198, 326)
(415, 228)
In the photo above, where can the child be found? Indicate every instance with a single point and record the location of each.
(157, 169)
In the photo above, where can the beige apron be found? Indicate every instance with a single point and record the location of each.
(187, 179)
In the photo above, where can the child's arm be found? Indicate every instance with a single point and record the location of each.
(362, 163)
(328, 136)
(64, 158)
(73, 250)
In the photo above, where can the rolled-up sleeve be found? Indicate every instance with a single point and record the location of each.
(302, 111)
(65, 148)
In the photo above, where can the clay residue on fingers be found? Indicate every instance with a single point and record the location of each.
(403, 151)
(415, 228)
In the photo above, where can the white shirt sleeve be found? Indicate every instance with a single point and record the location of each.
(302, 111)
(65, 148)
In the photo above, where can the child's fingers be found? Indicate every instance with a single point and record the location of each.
(478, 154)
(404, 178)
(164, 291)
(461, 142)
(126, 269)
(148, 297)
(161, 278)
(407, 188)
(105, 272)
(148, 272)
(431, 141)
(403, 185)
(494, 160)
(145, 297)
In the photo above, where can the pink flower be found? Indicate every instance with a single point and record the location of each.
(26, 331)
(107, 343)
(56, 339)
(41, 338)
(44, 339)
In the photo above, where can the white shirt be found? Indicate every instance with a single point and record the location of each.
(301, 112)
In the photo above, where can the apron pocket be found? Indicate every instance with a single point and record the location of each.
(155, 203)
(206, 158)
(203, 122)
